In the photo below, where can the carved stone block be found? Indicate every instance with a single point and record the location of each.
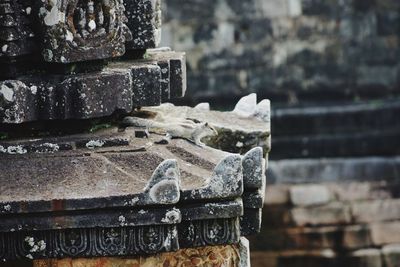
(80, 30)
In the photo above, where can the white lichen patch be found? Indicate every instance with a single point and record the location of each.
(48, 148)
(172, 216)
(122, 220)
(92, 144)
(35, 246)
(7, 93)
(13, 150)
(7, 208)
(165, 192)
(132, 202)
(33, 89)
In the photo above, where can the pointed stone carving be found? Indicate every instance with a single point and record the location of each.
(164, 185)
(225, 182)
(254, 169)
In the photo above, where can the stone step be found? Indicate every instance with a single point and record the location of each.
(385, 142)
(366, 169)
(336, 119)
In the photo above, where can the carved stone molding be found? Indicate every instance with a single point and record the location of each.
(88, 242)
(209, 232)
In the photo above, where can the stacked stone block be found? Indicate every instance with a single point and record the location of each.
(345, 221)
(291, 51)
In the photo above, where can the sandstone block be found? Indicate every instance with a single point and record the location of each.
(357, 236)
(277, 195)
(385, 233)
(376, 210)
(354, 191)
(309, 195)
(332, 214)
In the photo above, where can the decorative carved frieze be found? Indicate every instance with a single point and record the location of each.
(89, 242)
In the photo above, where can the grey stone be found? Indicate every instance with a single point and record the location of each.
(391, 255)
(376, 210)
(144, 21)
(310, 195)
(332, 214)
(383, 233)
(366, 169)
(366, 257)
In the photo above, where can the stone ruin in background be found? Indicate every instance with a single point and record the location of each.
(76, 183)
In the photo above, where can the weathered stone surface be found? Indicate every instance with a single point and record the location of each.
(144, 21)
(310, 195)
(376, 210)
(177, 70)
(250, 222)
(245, 134)
(75, 31)
(118, 88)
(385, 233)
(335, 213)
(147, 87)
(218, 256)
(309, 49)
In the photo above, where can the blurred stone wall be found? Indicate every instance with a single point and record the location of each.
(291, 51)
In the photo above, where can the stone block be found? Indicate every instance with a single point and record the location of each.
(146, 84)
(354, 191)
(391, 255)
(94, 95)
(332, 214)
(385, 233)
(357, 236)
(177, 70)
(376, 210)
(310, 195)
(365, 258)
(277, 195)
(144, 21)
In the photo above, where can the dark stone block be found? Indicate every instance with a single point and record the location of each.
(250, 222)
(335, 119)
(95, 95)
(177, 70)
(378, 143)
(144, 21)
(146, 84)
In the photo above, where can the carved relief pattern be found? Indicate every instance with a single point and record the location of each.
(77, 30)
(88, 242)
(209, 232)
